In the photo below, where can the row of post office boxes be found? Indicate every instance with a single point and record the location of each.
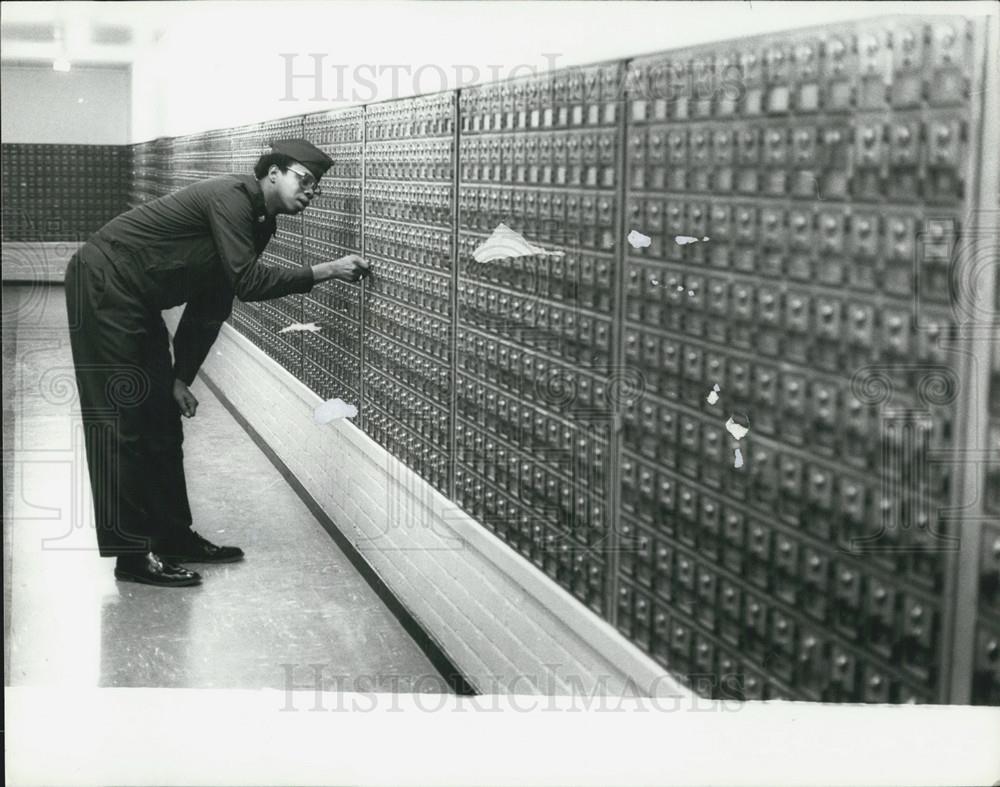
(655, 286)
(280, 128)
(536, 377)
(534, 426)
(337, 375)
(422, 289)
(279, 312)
(547, 484)
(407, 407)
(431, 116)
(583, 237)
(339, 195)
(329, 227)
(323, 243)
(575, 336)
(575, 505)
(864, 67)
(891, 523)
(494, 305)
(44, 216)
(41, 225)
(428, 159)
(65, 211)
(803, 658)
(243, 162)
(538, 148)
(149, 162)
(147, 174)
(578, 281)
(426, 460)
(243, 321)
(822, 332)
(287, 353)
(205, 163)
(339, 127)
(528, 425)
(566, 99)
(836, 421)
(333, 302)
(578, 568)
(422, 204)
(825, 411)
(935, 180)
(572, 158)
(675, 299)
(485, 206)
(903, 141)
(429, 239)
(395, 252)
(334, 137)
(575, 277)
(77, 192)
(315, 251)
(347, 165)
(427, 333)
(283, 251)
(426, 376)
(276, 314)
(710, 363)
(539, 436)
(892, 234)
(752, 561)
(428, 247)
(64, 159)
(337, 346)
(60, 151)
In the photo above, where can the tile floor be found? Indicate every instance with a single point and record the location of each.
(294, 603)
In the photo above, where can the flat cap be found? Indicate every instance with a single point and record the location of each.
(304, 152)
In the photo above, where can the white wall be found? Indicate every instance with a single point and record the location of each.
(85, 106)
(506, 625)
(221, 64)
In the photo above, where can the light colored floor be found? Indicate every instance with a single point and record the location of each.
(294, 603)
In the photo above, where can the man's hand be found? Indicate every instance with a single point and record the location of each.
(185, 399)
(349, 268)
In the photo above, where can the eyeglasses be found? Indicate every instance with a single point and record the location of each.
(307, 181)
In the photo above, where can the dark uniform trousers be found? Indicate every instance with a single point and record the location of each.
(132, 424)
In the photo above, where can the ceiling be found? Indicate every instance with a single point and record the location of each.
(85, 33)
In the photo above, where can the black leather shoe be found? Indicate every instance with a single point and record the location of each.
(151, 569)
(192, 548)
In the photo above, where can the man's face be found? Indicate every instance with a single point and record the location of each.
(296, 187)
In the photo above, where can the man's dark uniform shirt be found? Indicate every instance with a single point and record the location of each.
(198, 246)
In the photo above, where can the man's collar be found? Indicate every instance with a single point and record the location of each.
(257, 200)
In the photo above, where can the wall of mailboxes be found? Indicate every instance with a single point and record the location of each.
(562, 400)
(61, 192)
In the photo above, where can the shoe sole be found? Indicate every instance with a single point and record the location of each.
(180, 583)
(184, 559)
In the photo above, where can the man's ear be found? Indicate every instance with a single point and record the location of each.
(273, 171)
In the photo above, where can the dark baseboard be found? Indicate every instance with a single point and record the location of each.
(448, 671)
